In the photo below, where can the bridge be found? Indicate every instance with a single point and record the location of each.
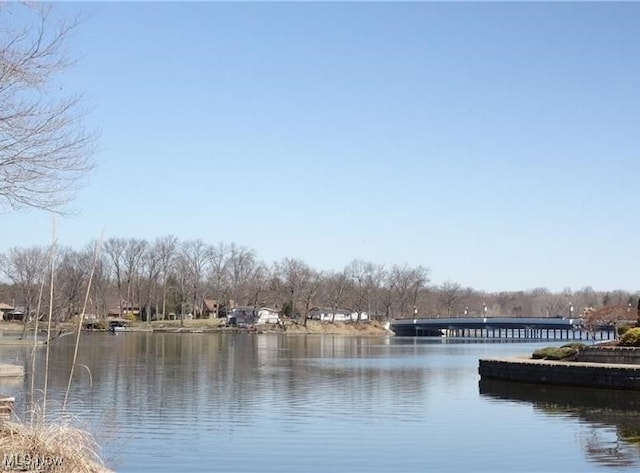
(500, 327)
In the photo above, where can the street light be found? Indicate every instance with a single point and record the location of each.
(570, 310)
(466, 311)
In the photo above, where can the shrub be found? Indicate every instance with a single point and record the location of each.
(576, 345)
(554, 353)
(631, 338)
(624, 329)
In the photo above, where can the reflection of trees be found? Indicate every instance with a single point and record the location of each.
(225, 377)
(602, 450)
(599, 410)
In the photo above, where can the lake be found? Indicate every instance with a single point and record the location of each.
(284, 403)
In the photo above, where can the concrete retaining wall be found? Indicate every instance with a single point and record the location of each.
(600, 354)
(593, 375)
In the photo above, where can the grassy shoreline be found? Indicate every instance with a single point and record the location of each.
(362, 328)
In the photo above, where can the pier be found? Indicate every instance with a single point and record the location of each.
(534, 328)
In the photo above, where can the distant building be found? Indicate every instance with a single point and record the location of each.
(242, 316)
(325, 314)
(15, 314)
(267, 315)
(210, 308)
(4, 310)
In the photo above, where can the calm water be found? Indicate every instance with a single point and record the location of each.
(270, 403)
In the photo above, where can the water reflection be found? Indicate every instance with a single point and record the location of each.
(212, 394)
(611, 418)
(272, 403)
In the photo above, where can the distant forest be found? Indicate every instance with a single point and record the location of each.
(168, 276)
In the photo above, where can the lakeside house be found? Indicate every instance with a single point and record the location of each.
(267, 315)
(210, 308)
(15, 314)
(242, 316)
(326, 314)
(5, 309)
(248, 315)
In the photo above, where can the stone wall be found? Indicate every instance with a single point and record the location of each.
(624, 355)
(561, 373)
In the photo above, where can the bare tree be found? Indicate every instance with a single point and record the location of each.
(357, 271)
(448, 295)
(134, 251)
(151, 270)
(72, 272)
(195, 256)
(375, 279)
(366, 278)
(101, 284)
(336, 287)
(217, 278)
(27, 268)
(115, 250)
(407, 283)
(309, 287)
(586, 297)
(293, 275)
(240, 267)
(44, 149)
(257, 282)
(179, 283)
(165, 249)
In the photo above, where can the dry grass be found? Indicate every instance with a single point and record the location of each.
(364, 327)
(48, 447)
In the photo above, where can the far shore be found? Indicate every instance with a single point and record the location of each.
(361, 328)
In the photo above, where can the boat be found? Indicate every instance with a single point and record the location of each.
(118, 325)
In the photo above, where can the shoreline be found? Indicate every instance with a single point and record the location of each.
(287, 327)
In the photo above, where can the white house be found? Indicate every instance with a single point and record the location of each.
(267, 315)
(325, 314)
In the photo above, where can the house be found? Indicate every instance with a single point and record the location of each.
(128, 310)
(267, 315)
(325, 314)
(210, 308)
(15, 314)
(242, 316)
(4, 310)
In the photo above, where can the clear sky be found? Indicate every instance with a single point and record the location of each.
(496, 144)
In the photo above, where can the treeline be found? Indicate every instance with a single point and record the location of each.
(171, 276)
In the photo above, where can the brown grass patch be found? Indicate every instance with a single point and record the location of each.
(48, 447)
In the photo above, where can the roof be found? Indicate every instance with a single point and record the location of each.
(210, 303)
(329, 310)
(4, 306)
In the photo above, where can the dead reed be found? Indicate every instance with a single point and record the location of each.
(48, 446)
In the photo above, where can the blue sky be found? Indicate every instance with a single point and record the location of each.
(494, 143)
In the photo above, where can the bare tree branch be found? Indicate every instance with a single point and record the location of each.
(45, 151)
